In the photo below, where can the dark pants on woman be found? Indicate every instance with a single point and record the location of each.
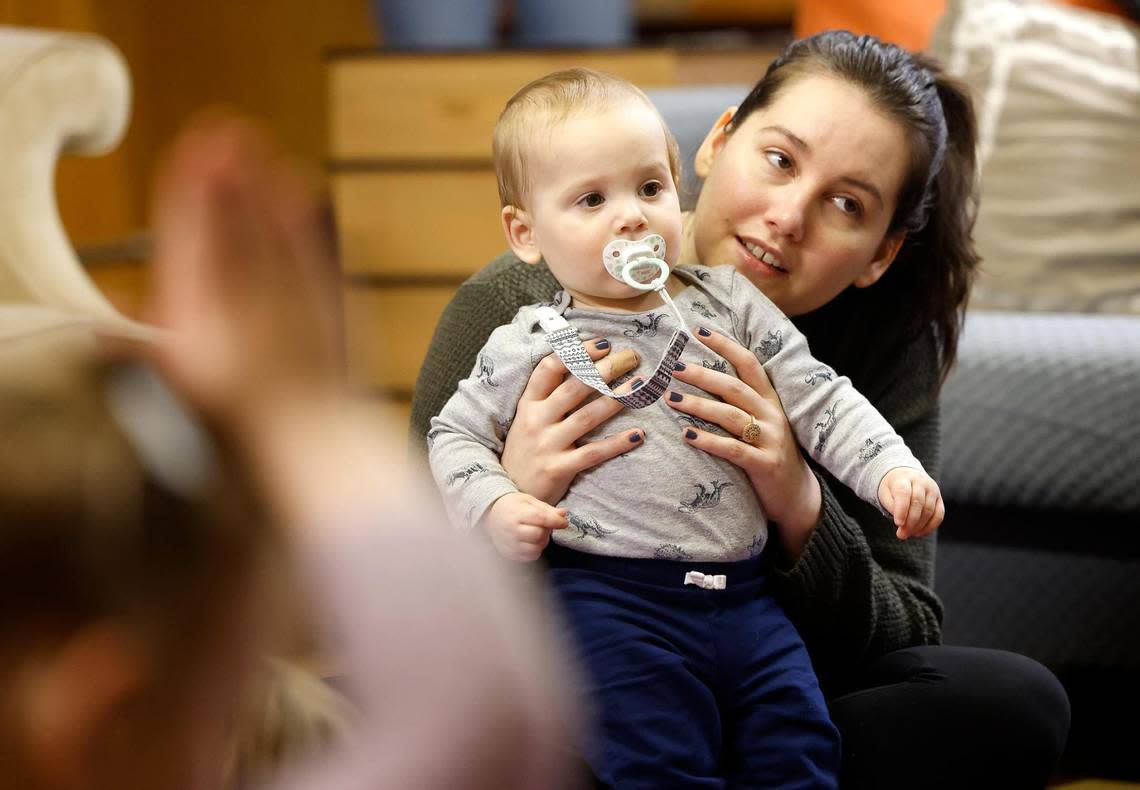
(693, 687)
(952, 717)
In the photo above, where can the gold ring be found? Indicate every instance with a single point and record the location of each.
(751, 433)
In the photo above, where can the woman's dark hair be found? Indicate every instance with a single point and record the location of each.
(934, 269)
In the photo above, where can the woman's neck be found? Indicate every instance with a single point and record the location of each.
(688, 246)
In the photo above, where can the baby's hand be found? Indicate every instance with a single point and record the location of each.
(913, 498)
(520, 525)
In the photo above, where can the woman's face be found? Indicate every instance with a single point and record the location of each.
(799, 197)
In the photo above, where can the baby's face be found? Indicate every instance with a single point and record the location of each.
(599, 177)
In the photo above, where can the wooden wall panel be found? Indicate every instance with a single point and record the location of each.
(424, 107)
(388, 333)
(262, 57)
(124, 285)
(418, 223)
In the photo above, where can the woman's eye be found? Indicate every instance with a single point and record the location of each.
(849, 206)
(592, 200)
(779, 160)
(651, 189)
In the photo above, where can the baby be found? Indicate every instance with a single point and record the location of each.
(655, 555)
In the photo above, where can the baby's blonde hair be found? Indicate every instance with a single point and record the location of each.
(550, 100)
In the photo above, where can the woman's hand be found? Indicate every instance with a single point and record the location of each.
(788, 490)
(542, 454)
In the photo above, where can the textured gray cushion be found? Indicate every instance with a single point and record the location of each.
(1064, 609)
(1042, 411)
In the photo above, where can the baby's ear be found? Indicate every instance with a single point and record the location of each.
(518, 227)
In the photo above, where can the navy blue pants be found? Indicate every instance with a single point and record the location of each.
(693, 688)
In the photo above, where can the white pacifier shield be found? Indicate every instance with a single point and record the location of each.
(639, 264)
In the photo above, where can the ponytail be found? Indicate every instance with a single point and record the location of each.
(936, 265)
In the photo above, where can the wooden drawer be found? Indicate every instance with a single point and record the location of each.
(418, 223)
(430, 106)
(388, 331)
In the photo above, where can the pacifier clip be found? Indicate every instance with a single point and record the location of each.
(641, 265)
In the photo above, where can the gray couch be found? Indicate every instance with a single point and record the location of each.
(1040, 551)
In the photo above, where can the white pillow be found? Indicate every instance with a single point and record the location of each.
(1057, 91)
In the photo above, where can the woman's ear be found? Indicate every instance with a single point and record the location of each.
(884, 256)
(73, 697)
(519, 228)
(712, 143)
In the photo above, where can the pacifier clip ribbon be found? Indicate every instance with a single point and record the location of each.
(641, 265)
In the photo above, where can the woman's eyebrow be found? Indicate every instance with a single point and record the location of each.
(866, 186)
(799, 142)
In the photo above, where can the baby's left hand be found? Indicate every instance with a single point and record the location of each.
(913, 498)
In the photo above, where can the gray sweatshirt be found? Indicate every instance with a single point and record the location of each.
(668, 500)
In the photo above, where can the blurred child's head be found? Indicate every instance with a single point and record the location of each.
(583, 157)
(126, 580)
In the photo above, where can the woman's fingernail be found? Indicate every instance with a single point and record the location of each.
(637, 383)
(635, 438)
(601, 344)
(678, 366)
(675, 397)
(690, 433)
(703, 332)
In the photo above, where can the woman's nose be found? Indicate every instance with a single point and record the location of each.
(785, 214)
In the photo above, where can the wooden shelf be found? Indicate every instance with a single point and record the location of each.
(444, 105)
(707, 13)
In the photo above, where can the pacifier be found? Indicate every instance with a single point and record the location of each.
(639, 264)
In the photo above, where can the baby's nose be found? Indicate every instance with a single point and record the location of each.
(632, 219)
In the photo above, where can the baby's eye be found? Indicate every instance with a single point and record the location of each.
(848, 205)
(779, 160)
(651, 189)
(592, 200)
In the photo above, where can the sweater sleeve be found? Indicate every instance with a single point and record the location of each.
(488, 299)
(857, 592)
(466, 437)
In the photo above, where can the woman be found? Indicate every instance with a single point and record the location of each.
(842, 188)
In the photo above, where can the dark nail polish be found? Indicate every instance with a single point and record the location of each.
(602, 344)
(690, 433)
(637, 383)
(675, 397)
(678, 366)
(703, 332)
(635, 438)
